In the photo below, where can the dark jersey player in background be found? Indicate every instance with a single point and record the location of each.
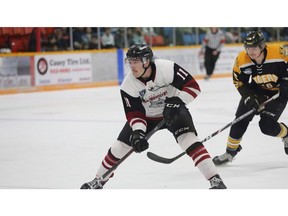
(156, 88)
(259, 73)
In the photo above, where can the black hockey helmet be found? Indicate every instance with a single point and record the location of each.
(140, 51)
(254, 38)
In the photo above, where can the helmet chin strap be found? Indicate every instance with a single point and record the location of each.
(145, 69)
(261, 52)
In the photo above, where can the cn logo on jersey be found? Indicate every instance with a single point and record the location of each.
(172, 105)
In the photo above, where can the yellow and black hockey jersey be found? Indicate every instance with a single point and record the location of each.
(262, 79)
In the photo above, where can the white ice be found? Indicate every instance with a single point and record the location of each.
(57, 139)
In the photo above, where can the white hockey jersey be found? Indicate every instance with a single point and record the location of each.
(144, 100)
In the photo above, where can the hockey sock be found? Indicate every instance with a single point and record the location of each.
(232, 145)
(108, 161)
(202, 159)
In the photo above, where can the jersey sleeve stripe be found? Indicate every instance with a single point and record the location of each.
(193, 92)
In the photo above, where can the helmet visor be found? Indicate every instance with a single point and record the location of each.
(130, 60)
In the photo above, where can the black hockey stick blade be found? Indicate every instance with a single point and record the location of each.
(160, 159)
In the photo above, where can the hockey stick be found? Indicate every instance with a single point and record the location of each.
(160, 159)
(108, 172)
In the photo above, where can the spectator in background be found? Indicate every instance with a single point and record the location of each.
(138, 36)
(51, 43)
(86, 37)
(77, 38)
(93, 44)
(211, 47)
(130, 36)
(119, 38)
(62, 39)
(107, 39)
(149, 31)
(187, 36)
(232, 35)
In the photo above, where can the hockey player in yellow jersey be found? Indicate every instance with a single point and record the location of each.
(259, 72)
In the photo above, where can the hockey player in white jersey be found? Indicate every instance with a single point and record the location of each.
(153, 90)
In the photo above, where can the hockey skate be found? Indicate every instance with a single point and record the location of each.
(217, 183)
(226, 157)
(222, 159)
(94, 184)
(285, 141)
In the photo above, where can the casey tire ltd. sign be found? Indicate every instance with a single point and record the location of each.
(63, 69)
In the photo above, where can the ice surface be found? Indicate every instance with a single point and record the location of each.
(57, 139)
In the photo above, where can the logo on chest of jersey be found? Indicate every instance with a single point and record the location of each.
(265, 78)
(152, 97)
(156, 104)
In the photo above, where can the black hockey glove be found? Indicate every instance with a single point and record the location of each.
(284, 89)
(138, 141)
(172, 109)
(253, 101)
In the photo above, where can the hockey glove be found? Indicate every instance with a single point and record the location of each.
(138, 141)
(172, 109)
(284, 89)
(253, 102)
